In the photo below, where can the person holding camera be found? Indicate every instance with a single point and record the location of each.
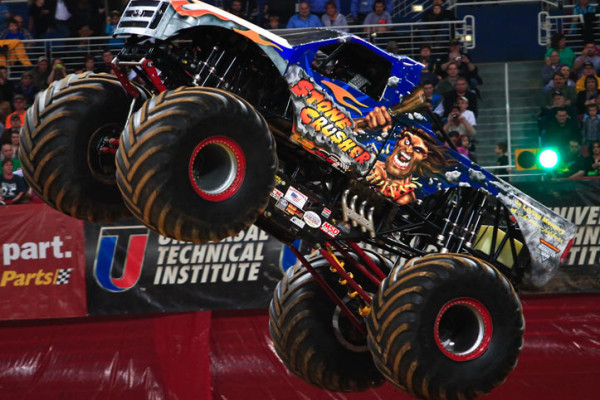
(58, 72)
(459, 123)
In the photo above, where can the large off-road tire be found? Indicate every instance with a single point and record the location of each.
(61, 142)
(446, 326)
(196, 164)
(314, 339)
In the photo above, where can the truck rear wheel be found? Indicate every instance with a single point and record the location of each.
(314, 338)
(196, 164)
(446, 326)
(68, 143)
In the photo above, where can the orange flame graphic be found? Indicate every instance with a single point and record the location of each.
(178, 5)
(256, 38)
(341, 94)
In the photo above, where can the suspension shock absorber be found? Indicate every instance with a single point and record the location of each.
(347, 279)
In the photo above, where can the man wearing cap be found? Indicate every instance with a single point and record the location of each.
(20, 107)
(588, 54)
(588, 70)
(40, 73)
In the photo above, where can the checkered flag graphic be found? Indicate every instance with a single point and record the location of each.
(63, 276)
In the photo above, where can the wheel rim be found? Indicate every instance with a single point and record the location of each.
(102, 147)
(345, 332)
(463, 329)
(217, 168)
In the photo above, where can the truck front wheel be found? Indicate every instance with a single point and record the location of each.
(196, 164)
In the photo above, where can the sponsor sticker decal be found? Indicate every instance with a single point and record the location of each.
(281, 204)
(329, 229)
(276, 194)
(312, 219)
(296, 197)
(298, 221)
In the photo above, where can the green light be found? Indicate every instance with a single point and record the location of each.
(548, 158)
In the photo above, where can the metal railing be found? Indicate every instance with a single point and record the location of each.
(569, 25)
(406, 37)
(409, 37)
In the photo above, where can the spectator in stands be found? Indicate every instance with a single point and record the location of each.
(501, 150)
(332, 18)
(435, 98)
(12, 31)
(107, 57)
(58, 71)
(565, 53)
(4, 16)
(6, 150)
(40, 73)
(565, 70)
(588, 70)
(572, 162)
(19, 107)
(27, 88)
(379, 16)
(115, 16)
(592, 163)
(460, 89)
(590, 126)
(304, 19)
(21, 28)
(62, 23)
(273, 22)
(15, 122)
(559, 84)
(447, 84)
(14, 141)
(587, 96)
(319, 7)
(446, 15)
(588, 54)
(89, 65)
(548, 70)
(434, 62)
(427, 73)
(465, 67)
(586, 23)
(6, 87)
(284, 9)
(39, 18)
(392, 47)
(246, 9)
(113, 43)
(463, 106)
(559, 130)
(236, 9)
(13, 189)
(453, 136)
(457, 122)
(558, 103)
(361, 8)
(437, 14)
(97, 17)
(463, 145)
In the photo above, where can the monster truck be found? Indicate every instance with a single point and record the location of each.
(212, 124)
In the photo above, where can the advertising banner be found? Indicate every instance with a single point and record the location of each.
(42, 254)
(132, 269)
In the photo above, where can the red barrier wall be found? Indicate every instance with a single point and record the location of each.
(229, 356)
